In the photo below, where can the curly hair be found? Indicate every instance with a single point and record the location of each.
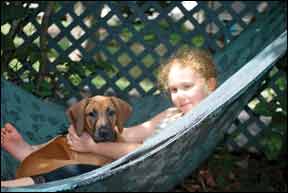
(197, 59)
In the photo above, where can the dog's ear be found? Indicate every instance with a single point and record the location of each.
(123, 112)
(76, 115)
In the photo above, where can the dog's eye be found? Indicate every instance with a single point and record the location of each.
(92, 114)
(111, 112)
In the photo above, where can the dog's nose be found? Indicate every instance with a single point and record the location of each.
(104, 134)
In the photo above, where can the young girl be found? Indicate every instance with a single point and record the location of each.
(189, 76)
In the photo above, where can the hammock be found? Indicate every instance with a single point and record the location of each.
(167, 158)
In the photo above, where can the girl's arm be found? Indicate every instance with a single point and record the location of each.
(144, 130)
(85, 143)
(114, 150)
(133, 138)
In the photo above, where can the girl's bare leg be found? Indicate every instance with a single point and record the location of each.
(18, 182)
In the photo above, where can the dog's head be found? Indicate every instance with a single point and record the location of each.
(102, 117)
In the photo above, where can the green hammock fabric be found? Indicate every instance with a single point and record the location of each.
(170, 156)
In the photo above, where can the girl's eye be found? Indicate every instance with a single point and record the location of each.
(173, 90)
(188, 86)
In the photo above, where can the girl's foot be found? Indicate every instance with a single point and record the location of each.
(13, 142)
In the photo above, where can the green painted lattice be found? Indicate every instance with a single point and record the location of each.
(132, 37)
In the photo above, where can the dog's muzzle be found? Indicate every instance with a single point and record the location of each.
(104, 134)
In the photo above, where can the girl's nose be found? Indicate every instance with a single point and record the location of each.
(180, 95)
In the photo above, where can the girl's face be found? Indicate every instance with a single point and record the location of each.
(187, 88)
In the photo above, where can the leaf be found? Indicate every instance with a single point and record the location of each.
(198, 41)
(279, 122)
(28, 50)
(221, 181)
(272, 145)
(45, 89)
(12, 12)
(15, 10)
(79, 67)
(264, 109)
(6, 42)
(29, 86)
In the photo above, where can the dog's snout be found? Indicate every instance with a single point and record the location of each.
(104, 134)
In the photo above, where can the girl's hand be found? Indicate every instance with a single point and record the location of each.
(84, 143)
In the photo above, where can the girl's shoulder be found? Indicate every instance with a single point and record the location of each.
(166, 117)
(171, 114)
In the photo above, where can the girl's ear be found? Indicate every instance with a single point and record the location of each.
(212, 84)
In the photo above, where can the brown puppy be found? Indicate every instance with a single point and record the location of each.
(102, 117)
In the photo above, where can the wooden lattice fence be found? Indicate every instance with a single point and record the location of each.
(77, 49)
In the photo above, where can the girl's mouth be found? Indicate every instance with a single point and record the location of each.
(185, 104)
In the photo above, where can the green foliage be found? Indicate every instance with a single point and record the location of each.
(44, 88)
(14, 15)
(16, 52)
(86, 66)
(198, 41)
(274, 140)
(272, 145)
(11, 11)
